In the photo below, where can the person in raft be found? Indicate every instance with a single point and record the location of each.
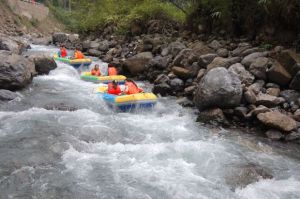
(114, 88)
(62, 51)
(96, 71)
(112, 70)
(78, 54)
(131, 87)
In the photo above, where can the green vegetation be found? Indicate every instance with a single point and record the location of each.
(237, 17)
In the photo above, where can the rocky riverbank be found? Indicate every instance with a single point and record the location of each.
(16, 69)
(233, 82)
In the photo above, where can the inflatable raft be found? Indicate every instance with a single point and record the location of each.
(127, 102)
(74, 62)
(86, 76)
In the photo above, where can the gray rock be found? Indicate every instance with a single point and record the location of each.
(160, 62)
(246, 174)
(278, 74)
(42, 41)
(249, 59)
(94, 52)
(274, 134)
(185, 102)
(175, 47)
(189, 90)
(200, 74)
(104, 46)
(278, 121)
(94, 45)
(288, 59)
(273, 91)
(206, 59)
(137, 64)
(272, 85)
(10, 45)
(43, 63)
(212, 116)
(59, 37)
(259, 68)
(6, 95)
(177, 84)
(162, 78)
(223, 62)
(163, 89)
(268, 100)
(296, 115)
(246, 77)
(241, 111)
(295, 84)
(240, 49)
(215, 45)
(290, 95)
(222, 52)
(250, 51)
(16, 72)
(218, 84)
(295, 135)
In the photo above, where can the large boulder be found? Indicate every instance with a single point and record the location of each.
(259, 68)
(14, 45)
(245, 76)
(278, 74)
(249, 59)
(59, 37)
(43, 63)
(277, 120)
(218, 84)
(16, 72)
(137, 64)
(6, 95)
(295, 84)
(223, 62)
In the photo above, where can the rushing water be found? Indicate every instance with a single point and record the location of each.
(94, 152)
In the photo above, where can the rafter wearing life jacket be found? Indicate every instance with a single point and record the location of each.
(114, 88)
(132, 88)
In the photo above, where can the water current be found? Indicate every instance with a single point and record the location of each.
(94, 152)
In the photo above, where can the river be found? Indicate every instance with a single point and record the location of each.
(94, 152)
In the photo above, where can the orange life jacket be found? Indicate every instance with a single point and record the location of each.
(78, 55)
(112, 71)
(112, 90)
(132, 88)
(96, 72)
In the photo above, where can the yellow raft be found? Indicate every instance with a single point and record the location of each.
(127, 102)
(102, 79)
(74, 62)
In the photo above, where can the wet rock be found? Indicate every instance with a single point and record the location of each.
(223, 62)
(259, 68)
(16, 72)
(60, 107)
(59, 38)
(295, 135)
(181, 72)
(10, 45)
(274, 134)
(268, 100)
(160, 62)
(241, 111)
(43, 63)
(94, 52)
(177, 84)
(277, 120)
(6, 95)
(247, 174)
(278, 74)
(163, 89)
(218, 84)
(246, 77)
(273, 91)
(249, 59)
(206, 59)
(137, 64)
(295, 84)
(215, 45)
(212, 116)
(185, 102)
(222, 52)
(290, 95)
(297, 115)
